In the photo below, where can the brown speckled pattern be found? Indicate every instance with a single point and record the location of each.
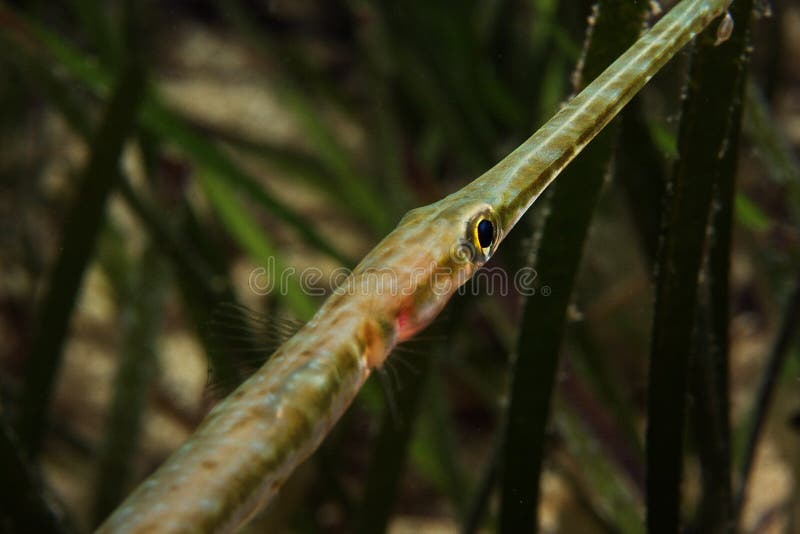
(250, 443)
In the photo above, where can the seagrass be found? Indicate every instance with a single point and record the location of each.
(251, 442)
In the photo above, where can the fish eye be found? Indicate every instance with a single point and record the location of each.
(482, 235)
(485, 231)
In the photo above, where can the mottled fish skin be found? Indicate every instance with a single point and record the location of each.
(251, 442)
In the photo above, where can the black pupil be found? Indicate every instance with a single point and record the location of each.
(485, 233)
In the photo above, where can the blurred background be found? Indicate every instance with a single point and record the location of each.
(302, 130)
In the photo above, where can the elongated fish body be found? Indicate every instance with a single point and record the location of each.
(279, 415)
(251, 442)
